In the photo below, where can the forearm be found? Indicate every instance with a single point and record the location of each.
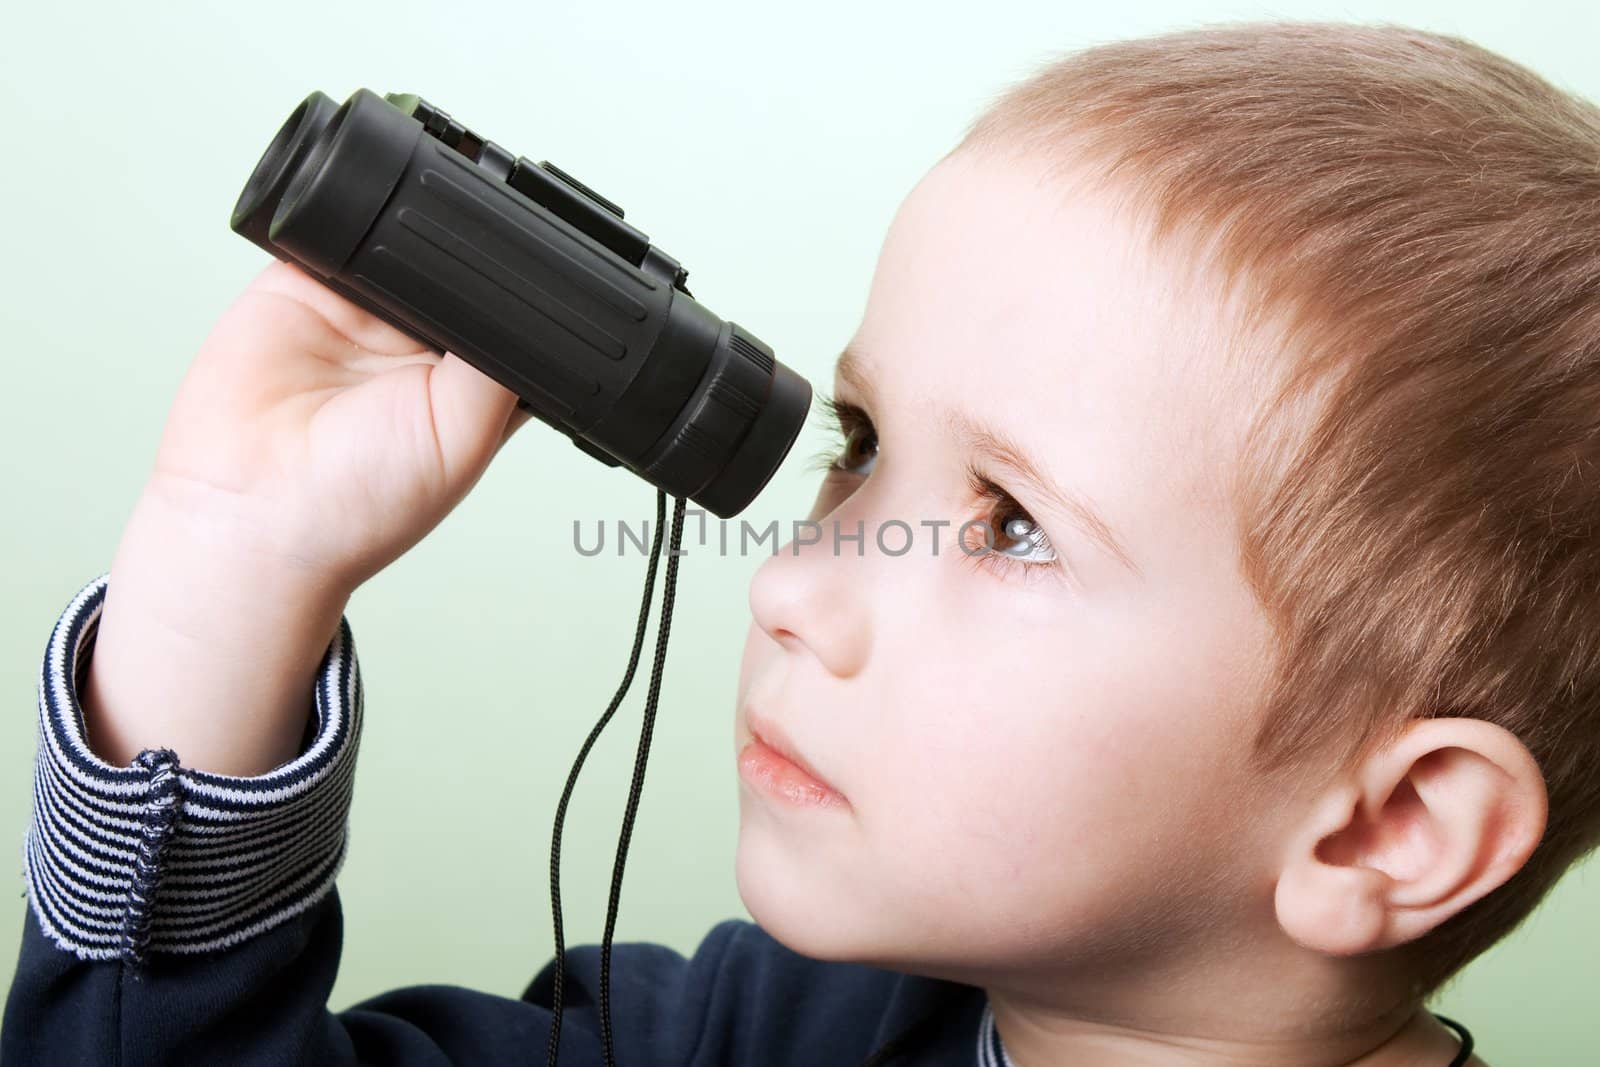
(206, 646)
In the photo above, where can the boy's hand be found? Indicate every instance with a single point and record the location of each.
(310, 445)
(323, 437)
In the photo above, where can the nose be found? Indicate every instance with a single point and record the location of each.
(814, 594)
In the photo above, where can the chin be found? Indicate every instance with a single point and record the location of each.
(814, 916)
(784, 905)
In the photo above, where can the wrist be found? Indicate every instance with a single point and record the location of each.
(207, 644)
(276, 536)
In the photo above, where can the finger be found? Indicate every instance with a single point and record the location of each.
(470, 412)
(515, 421)
(355, 323)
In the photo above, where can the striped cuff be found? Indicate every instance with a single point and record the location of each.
(155, 857)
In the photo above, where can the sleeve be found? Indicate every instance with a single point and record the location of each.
(176, 916)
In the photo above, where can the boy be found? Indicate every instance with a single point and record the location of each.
(1272, 351)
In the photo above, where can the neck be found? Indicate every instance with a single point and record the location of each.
(1200, 1021)
(1418, 1039)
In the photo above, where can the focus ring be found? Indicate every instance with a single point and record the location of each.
(717, 418)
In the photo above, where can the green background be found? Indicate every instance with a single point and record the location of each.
(767, 151)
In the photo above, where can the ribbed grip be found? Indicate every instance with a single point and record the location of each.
(748, 348)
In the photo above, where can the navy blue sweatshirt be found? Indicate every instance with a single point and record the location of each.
(181, 917)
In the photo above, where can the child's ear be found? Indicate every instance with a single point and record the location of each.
(1411, 836)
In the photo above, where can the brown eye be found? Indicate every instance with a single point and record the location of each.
(858, 440)
(1017, 535)
(860, 446)
(1009, 538)
(1008, 530)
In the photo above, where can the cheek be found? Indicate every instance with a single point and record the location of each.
(755, 641)
(1059, 769)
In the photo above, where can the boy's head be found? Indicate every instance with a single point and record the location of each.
(1293, 689)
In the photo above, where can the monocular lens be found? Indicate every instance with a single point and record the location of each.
(252, 213)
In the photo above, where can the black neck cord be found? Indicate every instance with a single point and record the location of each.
(638, 776)
(1465, 1052)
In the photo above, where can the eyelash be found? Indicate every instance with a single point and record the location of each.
(846, 418)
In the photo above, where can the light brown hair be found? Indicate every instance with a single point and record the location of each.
(1419, 218)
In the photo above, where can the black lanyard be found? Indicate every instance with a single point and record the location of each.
(1466, 1041)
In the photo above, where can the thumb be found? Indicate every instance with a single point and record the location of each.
(471, 412)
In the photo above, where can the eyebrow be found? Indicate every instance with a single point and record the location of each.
(1000, 448)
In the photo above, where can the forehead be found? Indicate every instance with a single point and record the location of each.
(1028, 300)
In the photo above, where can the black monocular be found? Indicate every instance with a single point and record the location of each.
(533, 278)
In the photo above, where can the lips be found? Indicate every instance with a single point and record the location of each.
(771, 734)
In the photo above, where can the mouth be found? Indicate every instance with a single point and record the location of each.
(771, 762)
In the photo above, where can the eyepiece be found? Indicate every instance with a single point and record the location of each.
(757, 457)
(736, 426)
